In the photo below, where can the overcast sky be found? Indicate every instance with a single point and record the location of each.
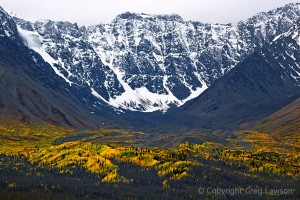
(87, 12)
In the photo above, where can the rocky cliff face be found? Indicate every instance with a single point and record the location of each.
(259, 85)
(30, 90)
(146, 63)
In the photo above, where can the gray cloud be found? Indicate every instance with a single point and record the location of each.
(87, 12)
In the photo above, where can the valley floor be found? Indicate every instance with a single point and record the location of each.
(49, 162)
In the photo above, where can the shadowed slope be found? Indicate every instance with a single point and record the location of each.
(286, 120)
(30, 91)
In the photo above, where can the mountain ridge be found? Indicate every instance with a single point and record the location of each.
(261, 84)
(31, 90)
(285, 121)
(152, 64)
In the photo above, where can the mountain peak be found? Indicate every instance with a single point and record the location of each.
(171, 17)
(141, 16)
(128, 16)
(143, 62)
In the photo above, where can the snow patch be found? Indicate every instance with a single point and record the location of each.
(96, 94)
(33, 41)
(141, 99)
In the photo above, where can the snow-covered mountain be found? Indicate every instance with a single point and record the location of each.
(145, 63)
(30, 90)
(258, 86)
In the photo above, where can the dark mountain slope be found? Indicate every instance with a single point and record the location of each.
(285, 121)
(258, 86)
(30, 89)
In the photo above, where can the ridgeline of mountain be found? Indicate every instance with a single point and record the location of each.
(31, 90)
(86, 76)
(146, 63)
(259, 85)
(285, 121)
